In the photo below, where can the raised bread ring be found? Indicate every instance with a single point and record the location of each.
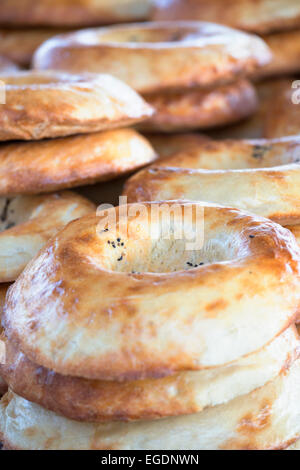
(152, 57)
(236, 176)
(180, 394)
(28, 222)
(53, 104)
(268, 418)
(258, 16)
(118, 330)
(51, 165)
(6, 65)
(200, 109)
(72, 13)
(19, 45)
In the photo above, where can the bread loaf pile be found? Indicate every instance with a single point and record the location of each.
(277, 21)
(115, 357)
(129, 337)
(74, 114)
(193, 74)
(57, 132)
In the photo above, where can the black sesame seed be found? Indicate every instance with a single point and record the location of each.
(5, 210)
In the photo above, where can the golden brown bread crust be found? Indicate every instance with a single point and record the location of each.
(152, 57)
(184, 393)
(277, 115)
(285, 47)
(276, 194)
(267, 158)
(106, 324)
(200, 109)
(18, 45)
(7, 66)
(50, 165)
(28, 222)
(266, 419)
(235, 154)
(258, 16)
(51, 104)
(72, 12)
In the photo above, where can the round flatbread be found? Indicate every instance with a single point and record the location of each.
(28, 222)
(201, 109)
(39, 105)
(51, 165)
(152, 57)
(258, 16)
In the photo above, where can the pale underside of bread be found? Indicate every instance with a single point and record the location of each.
(266, 419)
(178, 394)
(152, 57)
